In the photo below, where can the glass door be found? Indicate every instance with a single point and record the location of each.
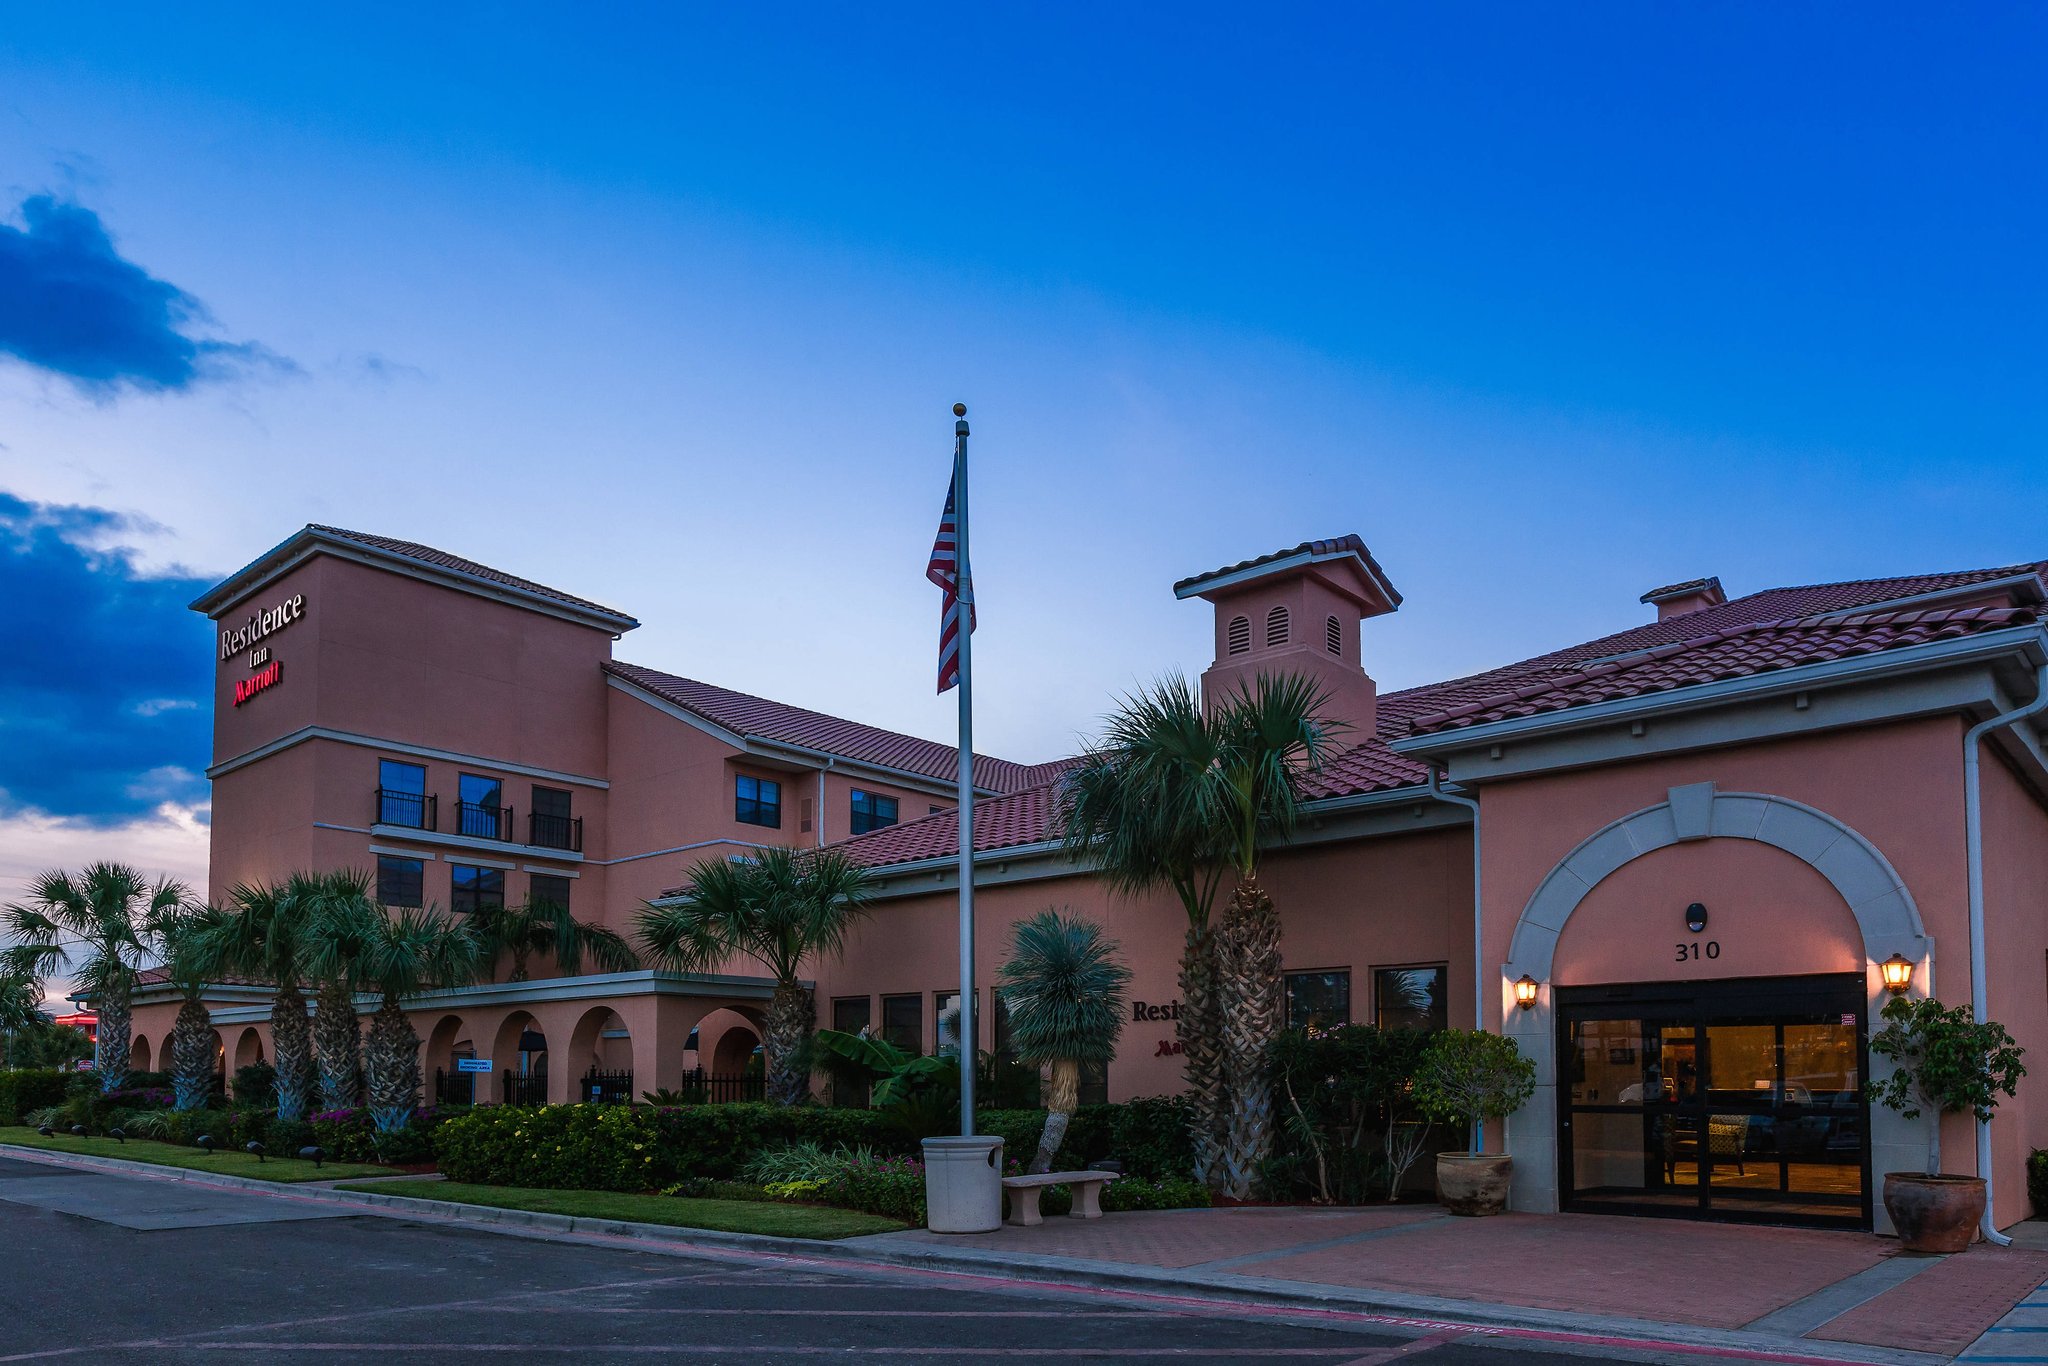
(1738, 1099)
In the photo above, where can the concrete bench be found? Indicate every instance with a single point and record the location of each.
(1024, 1191)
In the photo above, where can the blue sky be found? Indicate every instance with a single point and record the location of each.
(667, 306)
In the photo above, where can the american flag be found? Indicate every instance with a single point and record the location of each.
(944, 570)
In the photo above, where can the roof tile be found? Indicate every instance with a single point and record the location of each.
(441, 559)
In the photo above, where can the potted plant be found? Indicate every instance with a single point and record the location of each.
(1947, 1062)
(1469, 1076)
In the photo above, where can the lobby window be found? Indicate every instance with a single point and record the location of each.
(548, 889)
(1318, 1000)
(757, 801)
(402, 795)
(550, 822)
(472, 888)
(1410, 998)
(872, 811)
(852, 1014)
(903, 1022)
(401, 881)
(481, 810)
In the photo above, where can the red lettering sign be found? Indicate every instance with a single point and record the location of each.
(266, 677)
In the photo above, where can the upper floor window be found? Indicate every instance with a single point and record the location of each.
(481, 810)
(1238, 638)
(549, 822)
(872, 811)
(402, 795)
(757, 801)
(1276, 627)
(1410, 998)
(401, 881)
(1318, 1000)
(548, 889)
(473, 888)
(1333, 635)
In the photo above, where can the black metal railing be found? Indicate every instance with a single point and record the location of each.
(608, 1088)
(555, 832)
(483, 822)
(414, 810)
(525, 1088)
(703, 1088)
(454, 1088)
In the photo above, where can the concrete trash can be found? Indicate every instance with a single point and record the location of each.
(963, 1184)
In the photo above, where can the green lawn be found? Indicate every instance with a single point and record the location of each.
(235, 1163)
(726, 1216)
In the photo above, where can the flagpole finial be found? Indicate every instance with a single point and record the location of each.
(959, 410)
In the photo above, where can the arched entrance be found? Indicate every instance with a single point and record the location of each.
(519, 1057)
(448, 1043)
(138, 1054)
(1711, 1078)
(601, 1050)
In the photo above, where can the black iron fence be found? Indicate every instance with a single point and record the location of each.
(454, 1088)
(414, 810)
(525, 1088)
(608, 1088)
(555, 832)
(483, 822)
(706, 1088)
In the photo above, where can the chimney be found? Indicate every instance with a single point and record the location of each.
(1298, 611)
(1677, 599)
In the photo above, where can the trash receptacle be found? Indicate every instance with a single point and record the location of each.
(963, 1184)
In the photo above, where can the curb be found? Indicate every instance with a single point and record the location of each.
(1185, 1287)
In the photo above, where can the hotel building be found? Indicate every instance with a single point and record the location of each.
(1672, 862)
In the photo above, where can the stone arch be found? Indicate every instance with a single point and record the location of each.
(138, 1054)
(732, 1050)
(1885, 912)
(448, 1039)
(509, 1059)
(248, 1049)
(600, 1042)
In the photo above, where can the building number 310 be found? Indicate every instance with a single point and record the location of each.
(1690, 952)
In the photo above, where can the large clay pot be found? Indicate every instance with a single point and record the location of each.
(1473, 1183)
(1934, 1213)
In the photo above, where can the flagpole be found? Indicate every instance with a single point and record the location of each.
(968, 1035)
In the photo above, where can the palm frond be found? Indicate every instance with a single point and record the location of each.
(778, 908)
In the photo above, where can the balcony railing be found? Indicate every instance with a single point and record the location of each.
(483, 822)
(555, 832)
(414, 810)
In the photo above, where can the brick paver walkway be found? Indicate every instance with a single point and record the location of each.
(1945, 1308)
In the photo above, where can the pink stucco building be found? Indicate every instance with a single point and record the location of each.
(1696, 840)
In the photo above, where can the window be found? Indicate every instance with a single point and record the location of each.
(1276, 627)
(1409, 998)
(903, 1022)
(401, 881)
(1094, 1088)
(848, 1086)
(872, 811)
(473, 889)
(757, 801)
(933, 810)
(852, 1014)
(803, 816)
(949, 1018)
(1318, 1000)
(481, 808)
(402, 795)
(548, 888)
(1333, 635)
(1238, 638)
(551, 824)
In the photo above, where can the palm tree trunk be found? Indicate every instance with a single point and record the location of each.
(791, 1020)
(192, 1056)
(1059, 1108)
(292, 1049)
(110, 1040)
(338, 1039)
(394, 1066)
(1248, 988)
(1201, 1051)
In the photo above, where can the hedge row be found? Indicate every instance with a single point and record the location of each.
(1149, 1136)
(26, 1090)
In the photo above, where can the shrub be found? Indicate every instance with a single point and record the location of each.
(889, 1186)
(806, 1161)
(27, 1090)
(2037, 1181)
(1177, 1192)
(1148, 1136)
(1468, 1075)
(256, 1085)
(1945, 1061)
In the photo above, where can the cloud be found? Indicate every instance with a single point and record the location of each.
(72, 306)
(105, 679)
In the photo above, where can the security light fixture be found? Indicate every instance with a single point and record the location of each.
(46, 1131)
(78, 1131)
(1898, 974)
(119, 1135)
(1696, 917)
(1525, 991)
(204, 1143)
(314, 1154)
(255, 1147)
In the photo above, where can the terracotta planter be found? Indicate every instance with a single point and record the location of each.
(1473, 1183)
(1934, 1213)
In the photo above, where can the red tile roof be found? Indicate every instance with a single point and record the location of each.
(746, 715)
(999, 823)
(441, 559)
(1710, 584)
(1336, 545)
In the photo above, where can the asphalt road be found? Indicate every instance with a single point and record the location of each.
(99, 1267)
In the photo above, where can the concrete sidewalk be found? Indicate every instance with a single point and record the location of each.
(1639, 1287)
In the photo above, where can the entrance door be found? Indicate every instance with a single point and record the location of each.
(1740, 1099)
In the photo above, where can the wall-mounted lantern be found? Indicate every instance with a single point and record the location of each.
(1898, 974)
(1525, 991)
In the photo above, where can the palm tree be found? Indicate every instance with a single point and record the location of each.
(398, 954)
(543, 925)
(341, 901)
(191, 1052)
(1273, 734)
(263, 934)
(1064, 990)
(94, 923)
(1146, 806)
(21, 999)
(778, 907)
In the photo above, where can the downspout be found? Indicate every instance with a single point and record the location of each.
(1478, 927)
(1973, 838)
(818, 826)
